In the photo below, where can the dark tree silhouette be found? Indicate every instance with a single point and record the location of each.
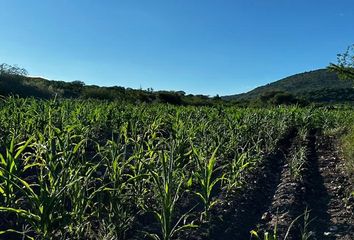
(345, 64)
(14, 70)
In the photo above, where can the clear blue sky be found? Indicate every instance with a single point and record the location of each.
(198, 46)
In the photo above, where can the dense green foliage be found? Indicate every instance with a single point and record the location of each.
(314, 86)
(320, 86)
(13, 81)
(88, 169)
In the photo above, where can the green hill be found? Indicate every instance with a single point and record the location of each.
(314, 86)
(319, 86)
(13, 83)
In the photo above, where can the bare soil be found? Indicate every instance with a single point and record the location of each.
(327, 191)
(323, 191)
(239, 211)
(273, 199)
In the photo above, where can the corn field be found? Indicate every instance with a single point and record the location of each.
(74, 169)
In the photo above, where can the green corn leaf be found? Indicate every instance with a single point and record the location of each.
(23, 147)
(201, 197)
(190, 182)
(23, 235)
(215, 182)
(3, 161)
(254, 233)
(23, 213)
(78, 145)
(212, 160)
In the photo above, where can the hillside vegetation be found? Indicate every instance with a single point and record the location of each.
(319, 86)
(14, 81)
(314, 86)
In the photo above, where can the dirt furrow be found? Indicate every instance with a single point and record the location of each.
(285, 207)
(286, 204)
(239, 211)
(322, 190)
(274, 199)
(326, 192)
(244, 208)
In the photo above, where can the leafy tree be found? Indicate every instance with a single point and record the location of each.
(12, 70)
(217, 97)
(277, 97)
(169, 97)
(345, 64)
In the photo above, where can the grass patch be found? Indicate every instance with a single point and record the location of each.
(348, 151)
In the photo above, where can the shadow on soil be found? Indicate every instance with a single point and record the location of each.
(247, 206)
(316, 197)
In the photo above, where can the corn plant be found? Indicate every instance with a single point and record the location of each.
(266, 235)
(206, 179)
(40, 216)
(55, 177)
(238, 168)
(11, 165)
(121, 177)
(305, 229)
(274, 235)
(91, 169)
(167, 183)
(297, 161)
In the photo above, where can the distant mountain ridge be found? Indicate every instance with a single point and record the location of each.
(312, 85)
(318, 86)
